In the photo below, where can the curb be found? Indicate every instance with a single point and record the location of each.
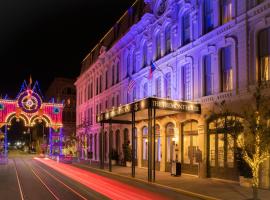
(186, 192)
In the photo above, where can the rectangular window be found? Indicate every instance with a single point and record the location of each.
(91, 90)
(263, 72)
(186, 28)
(97, 86)
(226, 11)
(134, 94)
(100, 84)
(106, 80)
(212, 156)
(168, 85)
(186, 82)
(226, 67)
(117, 72)
(117, 100)
(158, 46)
(158, 87)
(145, 90)
(208, 16)
(208, 77)
(113, 71)
(221, 150)
(91, 116)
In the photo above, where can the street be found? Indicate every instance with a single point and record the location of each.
(29, 177)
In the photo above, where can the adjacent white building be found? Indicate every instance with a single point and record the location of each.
(204, 51)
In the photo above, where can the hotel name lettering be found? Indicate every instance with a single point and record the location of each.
(177, 106)
(156, 103)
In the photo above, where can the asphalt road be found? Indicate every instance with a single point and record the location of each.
(26, 178)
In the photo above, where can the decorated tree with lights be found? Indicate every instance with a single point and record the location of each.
(251, 131)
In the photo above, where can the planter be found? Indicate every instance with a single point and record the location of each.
(245, 182)
(113, 162)
(128, 164)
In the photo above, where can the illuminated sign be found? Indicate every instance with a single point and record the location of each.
(163, 104)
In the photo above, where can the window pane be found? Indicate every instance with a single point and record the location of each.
(220, 150)
(227, 72)
(187, 150)
(264, 55)
(230, 151)
(226, 11)
(186, 82)
(208, 16)
(158, 87)
(186, 28)
(208, 77)
(212, 150)
(168, 85)
(145, 149)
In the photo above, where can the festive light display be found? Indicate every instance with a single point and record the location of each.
(30, 108)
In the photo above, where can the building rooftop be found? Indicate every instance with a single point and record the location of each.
(129, 18)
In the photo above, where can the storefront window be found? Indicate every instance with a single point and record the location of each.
(169, 142)
(230, 151)
(190, 142)
(221, 150)
(145, 143)
(212, 150)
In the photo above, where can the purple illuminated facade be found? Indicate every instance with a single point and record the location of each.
(204, 51)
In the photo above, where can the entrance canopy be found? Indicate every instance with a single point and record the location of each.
(163, 107)
(146, 109)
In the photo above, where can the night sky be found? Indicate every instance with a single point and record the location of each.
(50, 38)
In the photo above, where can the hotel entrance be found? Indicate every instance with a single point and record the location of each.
(149, 110)
(190, 147)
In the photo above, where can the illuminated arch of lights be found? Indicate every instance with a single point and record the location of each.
(29, 107)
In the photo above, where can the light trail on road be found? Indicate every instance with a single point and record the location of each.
(61, 182)
(111, 188)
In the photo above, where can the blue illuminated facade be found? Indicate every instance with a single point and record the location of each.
(204, 51)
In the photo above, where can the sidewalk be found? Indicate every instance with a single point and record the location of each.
(186, 183)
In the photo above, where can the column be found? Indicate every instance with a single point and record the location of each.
(202, 139)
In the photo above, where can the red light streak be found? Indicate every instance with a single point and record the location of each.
(108, 187)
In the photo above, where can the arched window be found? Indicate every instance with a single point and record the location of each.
(117, 72)
(158, 87)
(168, 85)
(113, 74)
(158, 46)
(263, 70)
(190, 142)
(208, 15)
(208, 76)
(225, 11)
(128, 64)
(221, 153)
(226, 69)
(144, 55)
(145, 142)
(145, 90)
(186, 82)
(186, 28)
(106, 80)
(168, 40)
(134, 63)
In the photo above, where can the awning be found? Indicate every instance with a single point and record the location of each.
(163, 107)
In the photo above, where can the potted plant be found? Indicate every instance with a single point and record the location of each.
(127, 154)
(114, 156)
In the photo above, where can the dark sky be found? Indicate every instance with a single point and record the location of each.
(49, 38)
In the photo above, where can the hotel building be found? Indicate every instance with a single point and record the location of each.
(204, 51)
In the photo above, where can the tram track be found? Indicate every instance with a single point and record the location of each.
(20, 182)
(61, 182)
